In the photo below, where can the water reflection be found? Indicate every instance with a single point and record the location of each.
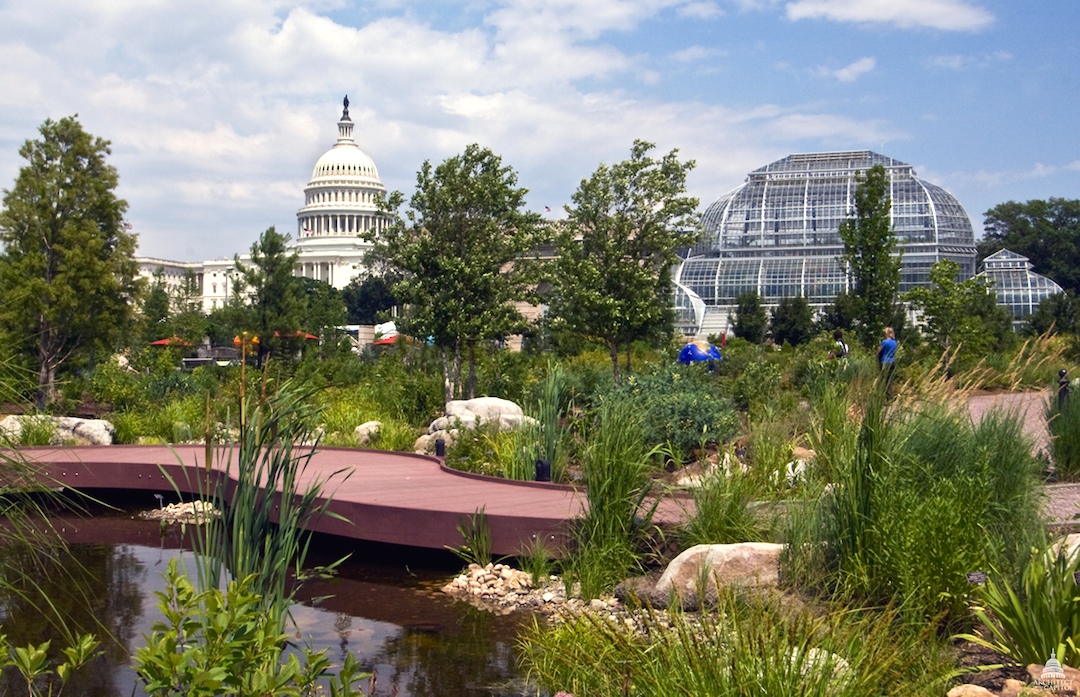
(389, 615)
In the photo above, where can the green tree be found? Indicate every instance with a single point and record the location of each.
(460, 252)
(1059, 313)
(751, 320)
(869, 247)
(841, 314)
(324, 312)
(1046, 232)
(275, 294)
(67, 273)
(611, 278)
(368, 297)
(792, 321)
(960, 315)
(155, 311)
(188, 321)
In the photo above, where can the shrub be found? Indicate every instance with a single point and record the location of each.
(681, 409)
(1063, 422)
(721, 512)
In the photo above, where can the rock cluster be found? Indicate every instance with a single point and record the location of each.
(502, 589)
(191, 512)
(468, 414)
(65, 429)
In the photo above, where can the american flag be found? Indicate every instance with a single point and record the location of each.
(128, 226)
(547, 209)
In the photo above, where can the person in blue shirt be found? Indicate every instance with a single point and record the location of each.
(886, 356)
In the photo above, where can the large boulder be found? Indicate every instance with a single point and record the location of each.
(752, 564)
(969, 690)
(366, 431)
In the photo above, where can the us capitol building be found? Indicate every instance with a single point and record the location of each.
(339, 204)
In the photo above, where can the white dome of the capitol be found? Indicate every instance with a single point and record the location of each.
(340, 203)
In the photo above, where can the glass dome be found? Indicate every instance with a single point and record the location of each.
(778, 233)
(1017, 287)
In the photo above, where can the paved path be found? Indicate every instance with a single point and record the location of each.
(1030, 406)
(399, 498)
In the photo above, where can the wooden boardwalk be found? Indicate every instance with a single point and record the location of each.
(396, 498)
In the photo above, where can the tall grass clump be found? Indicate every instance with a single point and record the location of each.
(722, 513)
(616, 466)
(750, 645)
(1063, 421)
(926, 497)
(1028, 615)
(262, 533)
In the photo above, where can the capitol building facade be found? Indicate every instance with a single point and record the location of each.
(340, 203)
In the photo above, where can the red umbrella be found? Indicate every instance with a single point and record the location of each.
(170, 341)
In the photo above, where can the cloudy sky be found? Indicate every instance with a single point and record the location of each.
(218, 109)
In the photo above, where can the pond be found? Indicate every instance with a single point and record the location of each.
(384, 606)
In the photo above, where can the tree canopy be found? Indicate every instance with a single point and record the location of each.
(792, 321)
(611, 278)
(869, 247)
(751, 321)
(277, 301)
(460, 252)
(1046, 232)
(67, 272)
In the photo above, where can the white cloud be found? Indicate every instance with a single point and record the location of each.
(851, 72)
(949, 15)
(961, 62)
(700, 10)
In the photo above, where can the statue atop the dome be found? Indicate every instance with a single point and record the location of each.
(345, 114)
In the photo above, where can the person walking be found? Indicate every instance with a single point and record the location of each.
(886, 356)
(840, 349)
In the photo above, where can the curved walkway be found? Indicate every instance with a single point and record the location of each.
(391, 497)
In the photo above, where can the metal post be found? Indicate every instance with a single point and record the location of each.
(1063, 389)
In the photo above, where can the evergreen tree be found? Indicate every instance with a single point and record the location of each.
(751, 321)
(460, 255)
(1059, 313)
(275, 294)
(156, 309)
(869, 247)
(792, 321)
(67, 273)
(611, 278)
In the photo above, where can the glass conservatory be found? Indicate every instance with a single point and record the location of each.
(778, 234)
(1017, 287)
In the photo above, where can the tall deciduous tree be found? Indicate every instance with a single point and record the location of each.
(460, 250)
(869, 252)
(1046, 232)
(960, 314)
(67, 273)
(276, 295)
(612, 276)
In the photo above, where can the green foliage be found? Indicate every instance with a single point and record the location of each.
(324, 309)
(368, 299)
(792, 321)
(843, 313)
(40, 673)
(276, 301)
(611, 276)
(1059, 313)
(750, 322)
(1047, 232)
(721, 511)
(224, 643)
(961, 317)
(1039, 613)
(680, 408)
(925, 498)
(476, 539)
(757, 386)
(616, 466)
(460, 252)
(1063, 421)
(536, 560)
(751, 645)
(869, 247)
(67, 272)
(36, 430)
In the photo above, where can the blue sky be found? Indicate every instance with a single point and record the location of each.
(218, 109)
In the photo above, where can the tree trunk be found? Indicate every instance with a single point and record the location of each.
(448, 382)
(614, 346)
(629, 347)
(46, 391)
(472, 368)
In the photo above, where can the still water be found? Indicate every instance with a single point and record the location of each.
(384, 607)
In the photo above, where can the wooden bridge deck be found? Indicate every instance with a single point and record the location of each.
(391, 497)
